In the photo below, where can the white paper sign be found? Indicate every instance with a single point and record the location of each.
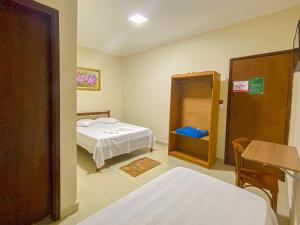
(240, 86)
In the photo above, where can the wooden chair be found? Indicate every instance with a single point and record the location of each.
(248, 177)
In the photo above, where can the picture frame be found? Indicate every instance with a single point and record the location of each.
(88, 79)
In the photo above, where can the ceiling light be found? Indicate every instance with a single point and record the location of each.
(138, 19)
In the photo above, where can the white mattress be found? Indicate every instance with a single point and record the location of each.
(104, 145)
(185, 197)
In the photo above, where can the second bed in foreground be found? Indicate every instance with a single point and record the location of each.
(186, 197)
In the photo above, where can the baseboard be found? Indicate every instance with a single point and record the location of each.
(293, 190)
(293, 214)
(69, 210)
(162, 142)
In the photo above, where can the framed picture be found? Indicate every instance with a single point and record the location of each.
(88, 79)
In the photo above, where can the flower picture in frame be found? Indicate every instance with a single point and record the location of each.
(88, 79)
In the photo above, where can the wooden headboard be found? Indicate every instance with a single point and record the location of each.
(93, 114)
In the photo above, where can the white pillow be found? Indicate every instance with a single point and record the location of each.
(108, 120)
(85, 122)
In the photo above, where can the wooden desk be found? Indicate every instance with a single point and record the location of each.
(282, 156)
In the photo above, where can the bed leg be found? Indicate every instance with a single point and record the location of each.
(151, 149)
(98, 169)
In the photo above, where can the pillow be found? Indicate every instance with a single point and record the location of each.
(85, 122)
(109, 120)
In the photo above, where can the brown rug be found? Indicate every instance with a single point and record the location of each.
(140, 166)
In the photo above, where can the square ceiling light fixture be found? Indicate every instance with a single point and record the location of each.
(138, 19)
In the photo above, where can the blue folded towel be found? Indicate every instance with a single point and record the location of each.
(192, 132)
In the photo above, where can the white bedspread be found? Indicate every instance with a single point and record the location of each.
(105, 141)
(185, 197)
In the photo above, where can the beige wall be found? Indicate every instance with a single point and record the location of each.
(68, 42)
(146, 77)
(294, 187)
(110, 96)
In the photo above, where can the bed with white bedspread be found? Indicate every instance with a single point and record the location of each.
(186, 197)
(105, 140)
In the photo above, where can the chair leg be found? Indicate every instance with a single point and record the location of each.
(242, 184)
(238, 181)
(274, 201)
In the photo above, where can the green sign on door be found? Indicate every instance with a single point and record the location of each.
(256, 86)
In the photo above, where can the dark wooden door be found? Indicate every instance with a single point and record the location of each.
(262, 116)
(29, 113)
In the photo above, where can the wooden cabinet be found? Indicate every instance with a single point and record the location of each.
(195, 103)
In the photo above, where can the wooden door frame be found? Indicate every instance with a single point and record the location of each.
(289, 102)
(53, 16)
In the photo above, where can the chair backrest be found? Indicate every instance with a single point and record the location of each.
(239, 145)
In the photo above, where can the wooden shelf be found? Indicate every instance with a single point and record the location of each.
(206, 138)
(194, 102)
(189, 157)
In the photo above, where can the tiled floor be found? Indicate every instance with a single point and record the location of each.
(97, 190)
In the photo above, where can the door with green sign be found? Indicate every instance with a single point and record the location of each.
(260, 108)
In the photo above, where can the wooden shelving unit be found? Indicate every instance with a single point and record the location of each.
(194, 102)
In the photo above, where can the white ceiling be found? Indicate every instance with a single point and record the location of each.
(103, 24)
